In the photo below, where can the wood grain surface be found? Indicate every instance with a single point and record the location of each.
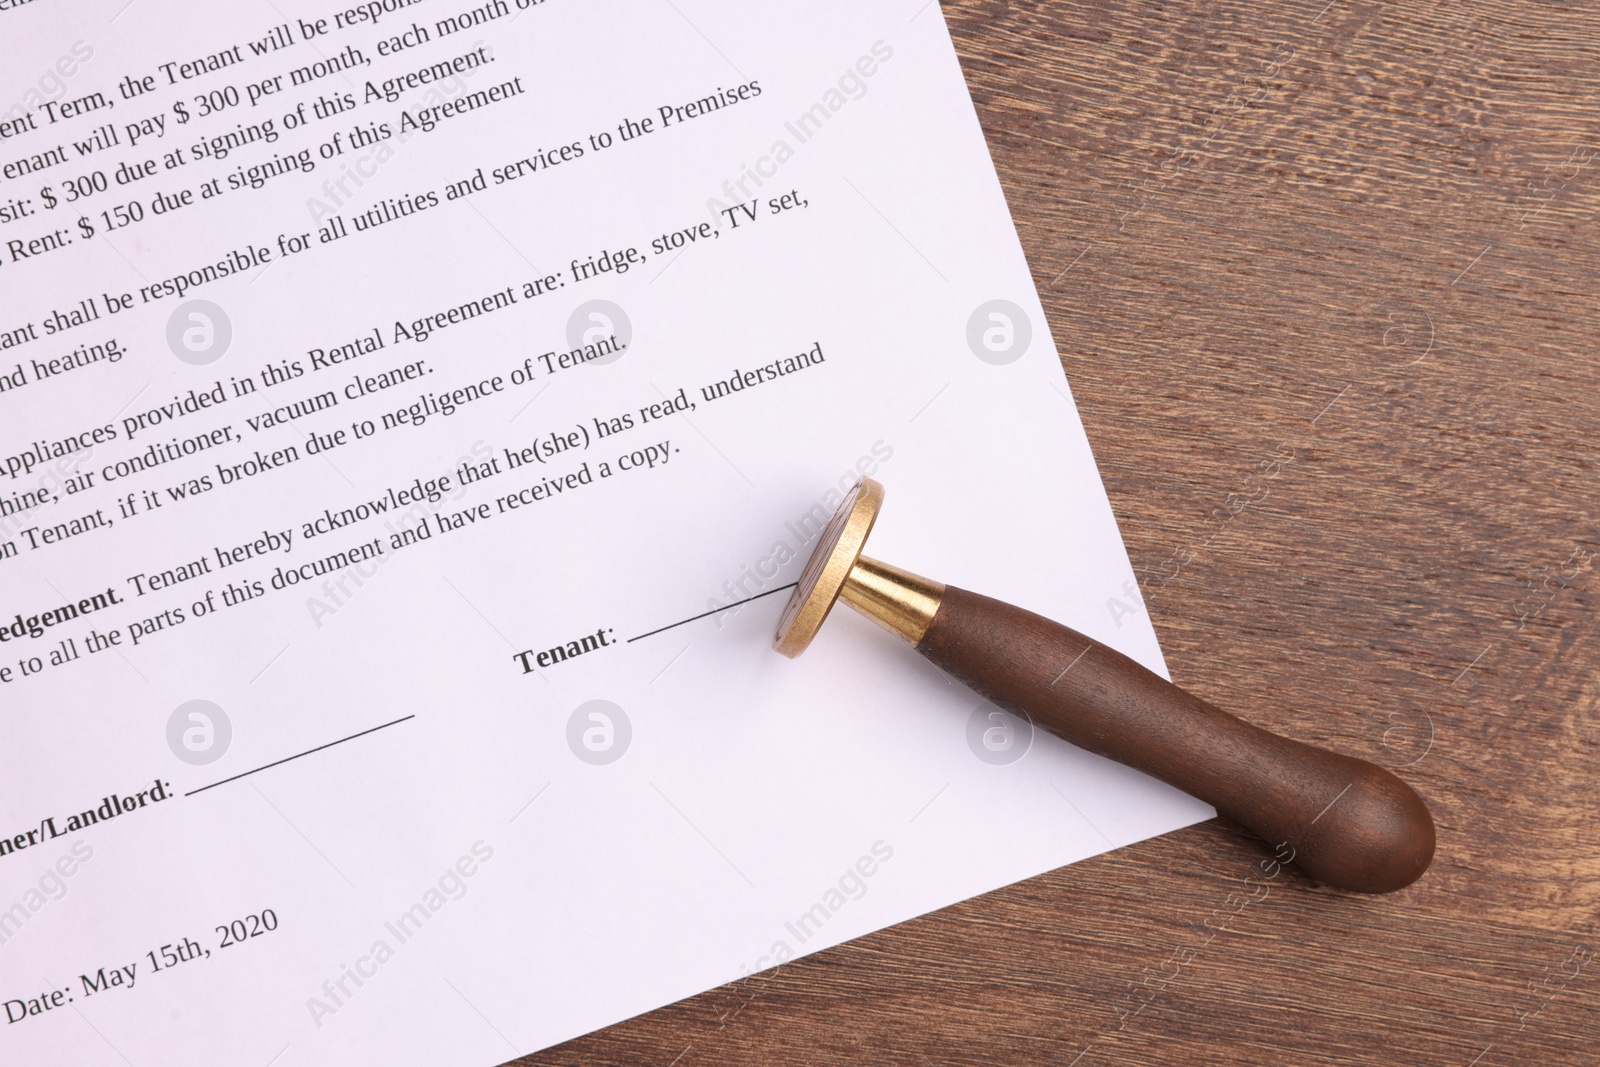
(1358, 239)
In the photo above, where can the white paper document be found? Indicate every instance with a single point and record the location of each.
(412, 416)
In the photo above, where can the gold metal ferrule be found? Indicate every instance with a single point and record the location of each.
(899, 601)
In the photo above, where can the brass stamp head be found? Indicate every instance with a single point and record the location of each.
(830, 563)
(899, 601)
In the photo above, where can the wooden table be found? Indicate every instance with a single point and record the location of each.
(1324, 280)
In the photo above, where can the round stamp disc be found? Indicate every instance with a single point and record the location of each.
(829, 566)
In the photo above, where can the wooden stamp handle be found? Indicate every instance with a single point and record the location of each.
(1350, 824)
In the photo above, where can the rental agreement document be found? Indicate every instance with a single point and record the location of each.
(412, 416)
